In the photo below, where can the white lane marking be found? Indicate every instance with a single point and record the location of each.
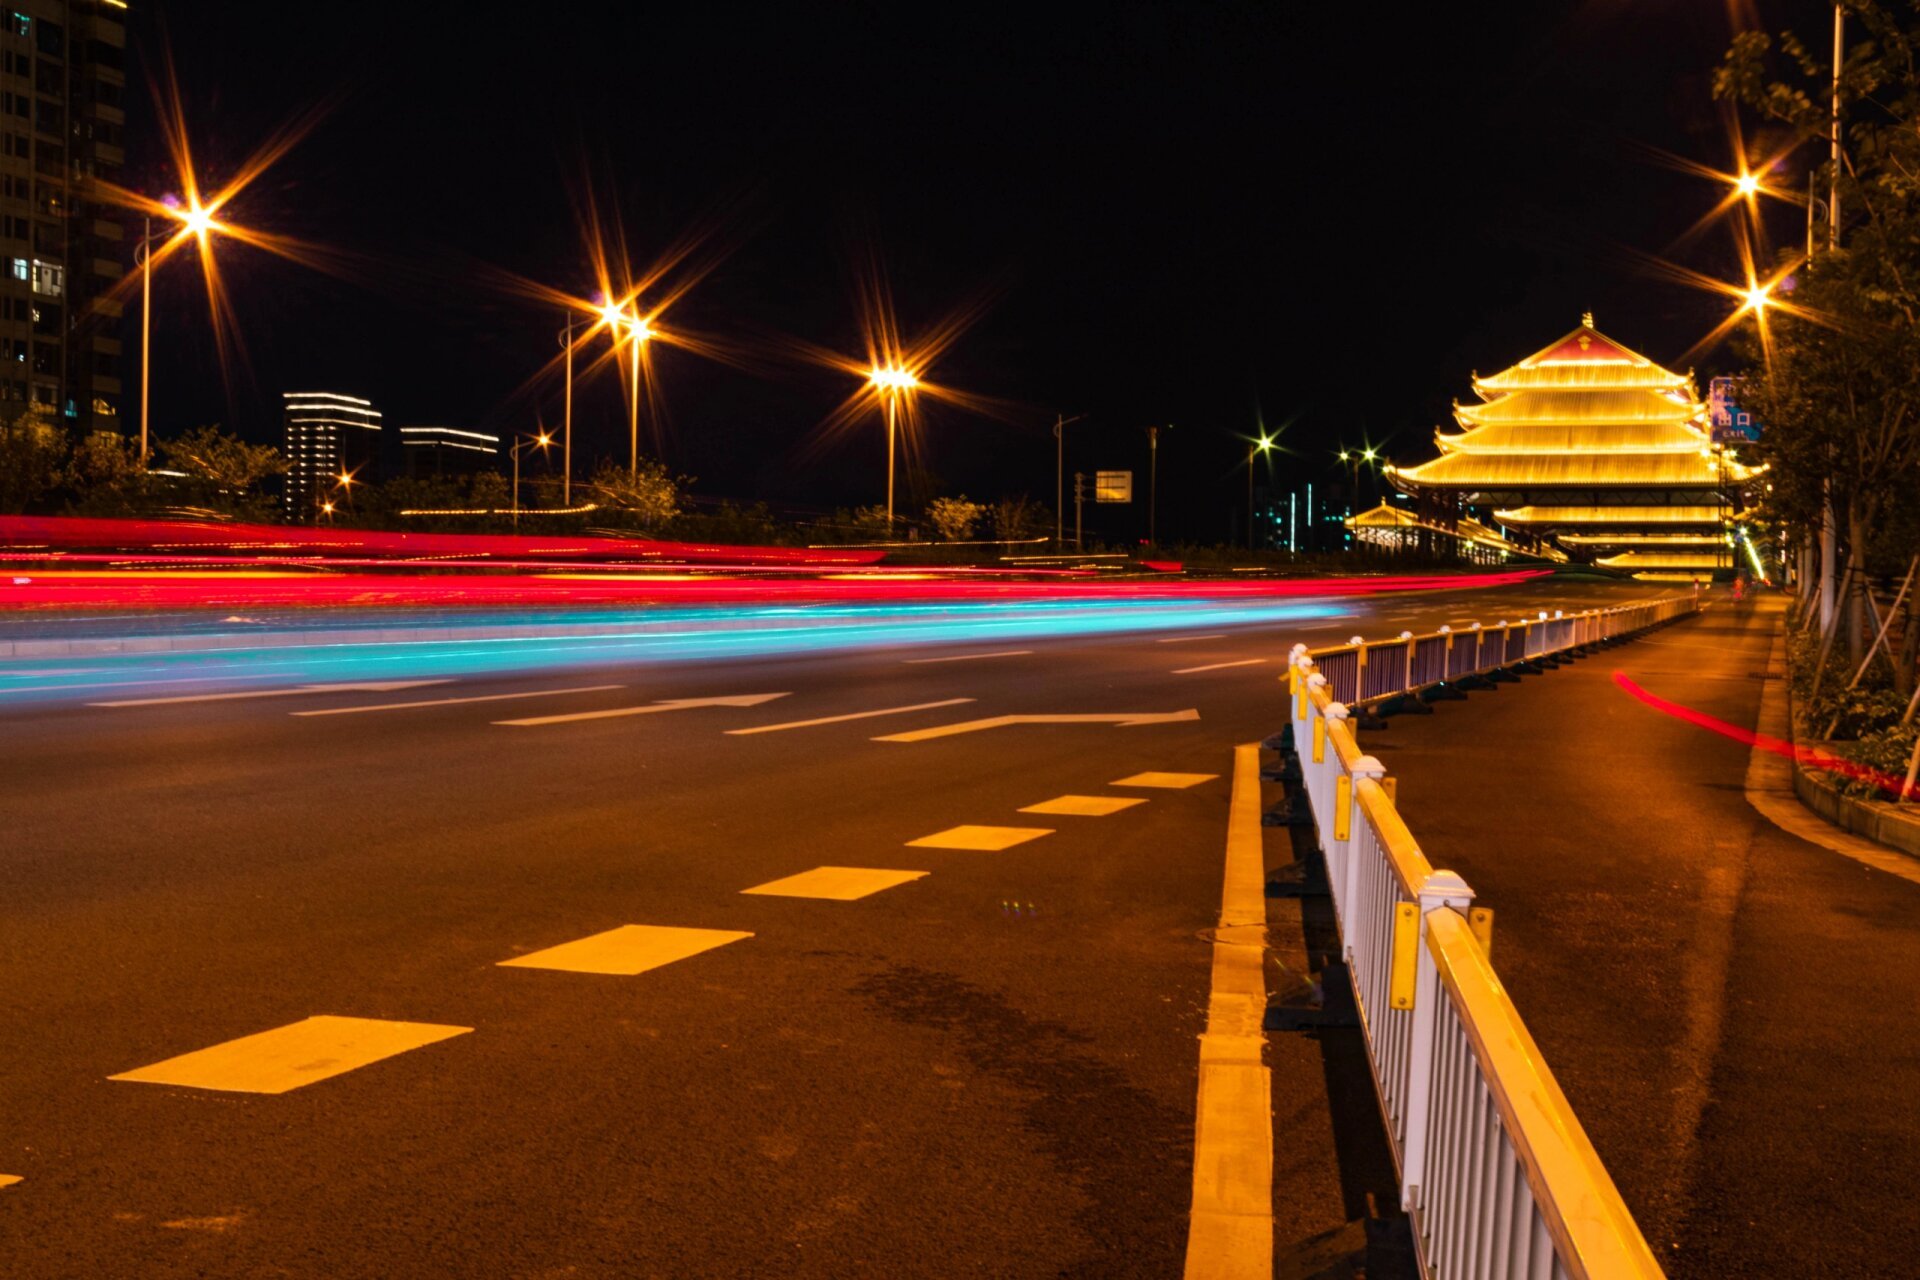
(450, 702)
(1219, 666)
(665, 704)
(1218, 635)
(1125, 718)
(378, 686)
(1230, 1232)
(969, 657)
(854, 715)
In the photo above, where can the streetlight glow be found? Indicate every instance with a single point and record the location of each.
(892, 378)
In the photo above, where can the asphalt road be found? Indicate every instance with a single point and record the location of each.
(1731, 1010)
(986, 1070)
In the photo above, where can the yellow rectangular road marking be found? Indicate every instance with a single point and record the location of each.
(294, 1055)
(8, 1179)
(627, 950)
(988, 839)
(841, 884)
(1168, 781)
(1085, 806)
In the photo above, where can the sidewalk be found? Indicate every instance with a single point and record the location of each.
(1733, 1010)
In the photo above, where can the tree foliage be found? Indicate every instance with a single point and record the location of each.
(33, 455)
(1836, 384)
(954, 518)
(223, 473)
(646, 497)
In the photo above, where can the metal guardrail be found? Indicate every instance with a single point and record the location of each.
(1495, 1170)
(1363, 672)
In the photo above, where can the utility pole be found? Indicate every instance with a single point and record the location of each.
(1829, 549)
(1079, 502)
(1153, 483)
(1060, 424)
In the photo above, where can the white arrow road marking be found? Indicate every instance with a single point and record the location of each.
(665, 704)
(1219, 666)
(381, 686)
(974, 726)
(856, 715)
(968, 657)
(449, 702)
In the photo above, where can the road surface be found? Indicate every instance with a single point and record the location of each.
(537, 998)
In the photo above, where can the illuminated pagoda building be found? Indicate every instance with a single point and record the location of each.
(1593, 447)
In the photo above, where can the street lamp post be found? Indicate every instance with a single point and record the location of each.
(566, 419)
(1263, 445)
(891, 382)
(540, 441)
(199, 222)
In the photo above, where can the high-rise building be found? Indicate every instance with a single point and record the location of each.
(447, 451)
(328, 435)
(62, 85)
(1597, 446)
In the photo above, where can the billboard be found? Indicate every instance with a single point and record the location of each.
(1729, 423)
(1113, 486)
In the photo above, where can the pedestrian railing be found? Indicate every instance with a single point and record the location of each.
(1363, 672)
(1495, 1170)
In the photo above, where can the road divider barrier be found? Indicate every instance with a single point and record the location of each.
(1364, 673)
(1496, 1173)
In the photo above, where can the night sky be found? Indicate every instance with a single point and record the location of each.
(1204, 214)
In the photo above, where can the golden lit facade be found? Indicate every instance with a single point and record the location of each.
(1597, 447)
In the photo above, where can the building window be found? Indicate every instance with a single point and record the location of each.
(22, 270)
(44, 394)
(49, 278)
(53, 39)
(103, 408)
(20, 24)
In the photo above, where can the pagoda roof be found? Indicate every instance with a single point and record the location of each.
(1558, 406)
(1533, 515)
(1661, 560)
(1584, 357)
(1576, 437)
(1671, 539)
(1583, 470)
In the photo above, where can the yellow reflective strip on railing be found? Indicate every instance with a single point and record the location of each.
(1319, 739)
(1594, 1236)
(1342, 807)
(1406, 954)
(1410, 866)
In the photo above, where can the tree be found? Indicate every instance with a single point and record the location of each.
(954, 518)
(646, 497)
(1018, 517)
(106, 478)
(223, 472)
(33, 453)
(1837, 387)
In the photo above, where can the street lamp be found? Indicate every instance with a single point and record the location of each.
(196, 221)
(890, 382)
(540, 441)
(1060, 424)
(1263, 445)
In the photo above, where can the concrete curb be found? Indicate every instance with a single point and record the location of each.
(1895, 826)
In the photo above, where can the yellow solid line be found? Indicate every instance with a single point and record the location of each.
(1218, 666)
(969, 657)
(1230, 1236)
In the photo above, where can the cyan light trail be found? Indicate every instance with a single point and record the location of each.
(656, 636)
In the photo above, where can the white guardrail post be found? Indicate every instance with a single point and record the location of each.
(1443, 891)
